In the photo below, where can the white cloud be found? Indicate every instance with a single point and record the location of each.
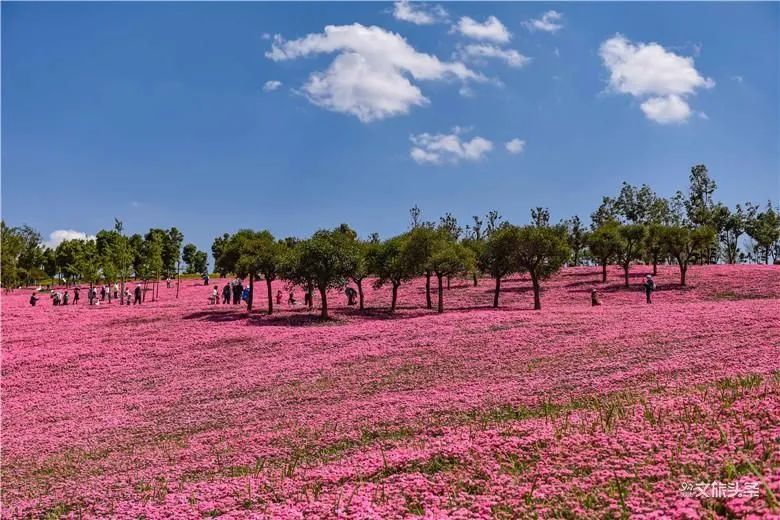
(548, 22)
(650, 72)
(491, 29)
(271, 85)
(476, 51)
(515, 146)
(666, 109)
(370, 77)
(450, 148)
(61, 235)
(419, 14)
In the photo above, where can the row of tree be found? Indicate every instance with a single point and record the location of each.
(110, 257)
(636, 225)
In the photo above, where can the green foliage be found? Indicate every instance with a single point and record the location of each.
(196, 261)
(764, 228)
(327, 260)
(11, 245)
(577, 237)
(541, 252)
(685, 244)
(632, 237)
(604, 243)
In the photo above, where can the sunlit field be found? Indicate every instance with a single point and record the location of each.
(181, 409)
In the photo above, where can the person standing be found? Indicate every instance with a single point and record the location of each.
(226, 294)
(34, 299)
(594, 298)
(649, 288)
(279, 297)
(65, 298)
(137, 300)
(238, 288)
(116, 291)
(76, 291)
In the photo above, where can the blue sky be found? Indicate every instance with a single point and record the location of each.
(162, 114)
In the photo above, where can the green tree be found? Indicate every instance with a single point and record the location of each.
(632, 237)
(498, 257)
(732, 227)
(540, 217)
(87, 263)
(764, 228)
(67, 254)
(196, 261)
(267, 256)
(685, 244)
(604, 244)
(449, 258)
(699, 203)
(50, 264)
(391, 262)
(417, 251)
(171, 252)
(327, 260)
(654, 245)
(577, 237)
(248, 254)
(216, 251)
(542, 250)
(11, 245)
(30, 258)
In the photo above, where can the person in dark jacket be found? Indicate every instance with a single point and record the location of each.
(76, 292)
(137, 300)
(34, 299)
(65, 298)
(238, 288)
(226, 294)
(649, 288)
(351, 295)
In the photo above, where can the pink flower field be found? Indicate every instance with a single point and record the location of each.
(180, 409)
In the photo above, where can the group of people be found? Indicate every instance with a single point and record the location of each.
(234, 291)
(94, 295)
(648, 286)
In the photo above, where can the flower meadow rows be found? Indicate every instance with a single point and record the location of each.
(179, 409)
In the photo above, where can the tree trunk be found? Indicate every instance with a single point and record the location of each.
(428, 302)
(604, 272)
(576, 257)
(683, 270)
(251, 292)
(537, 290)
(655, 266)
(476, 280)
(498, 291)
(625, 273)
(270, 295)
(324, 296)
(395, 297)
(440, 306)
(359, 284)
(448, 283)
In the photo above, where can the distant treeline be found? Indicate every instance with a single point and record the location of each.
(637, 225)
